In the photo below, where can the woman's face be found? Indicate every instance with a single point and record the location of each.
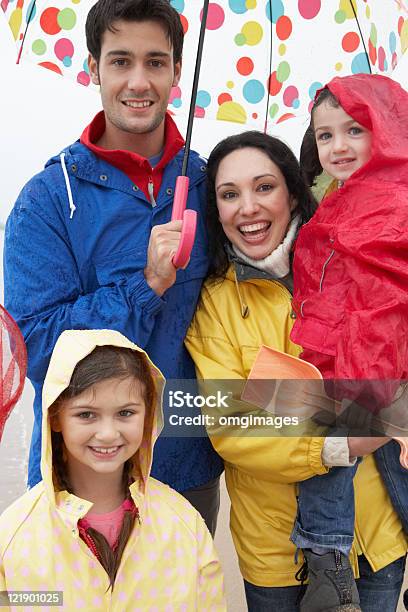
(254, 203)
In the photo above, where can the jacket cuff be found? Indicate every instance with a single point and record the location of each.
(142, 296)
(315, 456)
(336, 452)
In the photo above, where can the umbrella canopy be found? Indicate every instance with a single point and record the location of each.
(263, 59)
(13, 365)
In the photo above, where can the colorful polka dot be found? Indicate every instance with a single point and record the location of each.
(350, 42)
(245, 66)
(215, 16)
(253, 91)
(309, 8)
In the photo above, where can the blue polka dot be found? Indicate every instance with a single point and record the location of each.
(85, 66)
(176, 102)
(360, 64)
(178, 5)
(385, 65)
(29, 11)
(393, 42)
(253, 91)
(203, 99)
(67, 61)
(277, 10)
(238, 6)
(313, 88)
(296, 103)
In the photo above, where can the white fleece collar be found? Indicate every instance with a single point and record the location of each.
(276, 263)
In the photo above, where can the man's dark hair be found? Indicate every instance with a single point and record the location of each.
(105, 13)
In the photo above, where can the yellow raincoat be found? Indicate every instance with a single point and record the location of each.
(231, 322)
(169, 562)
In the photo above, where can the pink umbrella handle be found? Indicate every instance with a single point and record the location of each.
(189, 218)
(403, 442)
(188, 233)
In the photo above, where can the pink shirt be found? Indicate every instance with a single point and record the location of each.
(108, 524)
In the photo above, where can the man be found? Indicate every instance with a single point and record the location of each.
(89, 243)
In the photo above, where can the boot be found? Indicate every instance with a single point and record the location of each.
(331, 587)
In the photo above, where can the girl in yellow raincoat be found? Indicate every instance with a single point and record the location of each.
(98, 533)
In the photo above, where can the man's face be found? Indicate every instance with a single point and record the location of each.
(136, 72)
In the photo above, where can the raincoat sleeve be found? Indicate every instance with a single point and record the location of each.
(270, 458)
(211, 594)
(373, 343)
(43, 289)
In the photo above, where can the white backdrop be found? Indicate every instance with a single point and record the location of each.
(41, 112)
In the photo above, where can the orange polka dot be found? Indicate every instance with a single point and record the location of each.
(245, 66)
(283, 27)
(350, 42)
(224, 97)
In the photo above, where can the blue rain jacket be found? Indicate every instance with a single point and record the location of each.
(75, 251)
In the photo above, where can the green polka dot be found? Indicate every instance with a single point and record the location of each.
(273, 110)
(39, 47)
(66, 19)
(240, 40)
(283, 72)
(373, 35)
(340, 17)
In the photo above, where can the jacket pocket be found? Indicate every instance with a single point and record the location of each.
(118, 267)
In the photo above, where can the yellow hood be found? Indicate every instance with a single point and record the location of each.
(73, 346)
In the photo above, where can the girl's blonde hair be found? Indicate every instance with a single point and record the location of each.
(103, 363)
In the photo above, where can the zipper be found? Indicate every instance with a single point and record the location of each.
(150, 189)
(324, 269)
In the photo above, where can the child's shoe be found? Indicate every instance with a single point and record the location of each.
(331, 587)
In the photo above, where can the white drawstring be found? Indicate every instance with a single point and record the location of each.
(72, 206)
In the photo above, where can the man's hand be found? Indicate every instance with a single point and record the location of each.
(358, 447)
(160, 272)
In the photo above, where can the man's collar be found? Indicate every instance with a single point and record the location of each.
(173, 142)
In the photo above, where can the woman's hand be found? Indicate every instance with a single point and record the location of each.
(360, 446)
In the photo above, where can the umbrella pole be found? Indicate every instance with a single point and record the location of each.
(25, 32)
(195, 87)
(179, 212)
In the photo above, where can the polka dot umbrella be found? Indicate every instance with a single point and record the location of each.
(263, 59)
(13, 365)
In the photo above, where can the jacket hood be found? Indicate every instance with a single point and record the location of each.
(380, 105)
(73, 346)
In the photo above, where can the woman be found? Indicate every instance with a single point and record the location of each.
(257, 202)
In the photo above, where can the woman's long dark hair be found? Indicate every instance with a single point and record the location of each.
(281, 155)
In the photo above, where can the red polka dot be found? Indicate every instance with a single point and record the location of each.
(51, 66)
(199, 112)
(309, 8)
(224, 97)
(83, 78)
(400, 24)
(394, 60)
(184, 23)
(372, 53)
(254, 115)
(245, 66)
(283, 27)
(381, 59)
(285, 117)
(350, 42)
(215, 16)
(48, 21)
(273, 84)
